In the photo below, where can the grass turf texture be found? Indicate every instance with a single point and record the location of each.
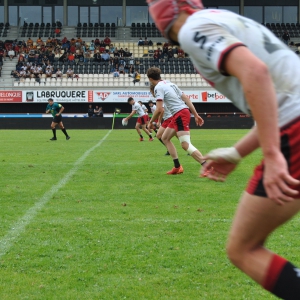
(118, 227)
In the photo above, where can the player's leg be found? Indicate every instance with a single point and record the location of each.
(185, 141)
(53, 125)
(61, 125)
(256, 218)
(137, 127)
(166, 138)
(147, 132)
(159, 134)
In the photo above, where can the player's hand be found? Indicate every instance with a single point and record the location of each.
(199, 121)
(217, 170)
(57, 115)
(149, 125)
(277, 181)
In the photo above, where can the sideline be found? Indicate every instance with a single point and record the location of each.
(19, 227)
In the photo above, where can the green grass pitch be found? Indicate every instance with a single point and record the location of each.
(96, 217)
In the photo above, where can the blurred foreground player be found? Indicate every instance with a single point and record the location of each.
(248, 64)
(56, 110)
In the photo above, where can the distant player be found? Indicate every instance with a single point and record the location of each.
(178, 104)
(142, 119)
(153, 108)
(56, 110)
(245, 62)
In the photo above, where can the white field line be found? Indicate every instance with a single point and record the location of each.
(19, 227)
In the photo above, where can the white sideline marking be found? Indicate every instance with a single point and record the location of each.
(19, 227)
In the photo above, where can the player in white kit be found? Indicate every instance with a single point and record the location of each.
(168, 94)
(142, 119)
(248, 64)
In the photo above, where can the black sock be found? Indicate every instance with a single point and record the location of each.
(161, 141)
(203, 163)
(176, 163)
(288, 283)
(150, 136)
(54, 132)
(155, 130)
(141, 136)
(64, 131)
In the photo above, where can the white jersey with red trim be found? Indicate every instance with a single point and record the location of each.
(171, 95)
(153, 108)
(144, 107)
(138, 108)
(167, 113)
(209, 35)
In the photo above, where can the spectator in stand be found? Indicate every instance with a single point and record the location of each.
(49, 42)
(31, 56)
(121, 52)
(156, 56)
(70, 73)
(63, 58)
(92, 46)
(111, 49)
(136, 76)
(105, 56)
(116, 72)
(45, 60)
(107, 41)
(121, 69)
(72, 49)
(48, 73)
(140, 42)
(39, 41)
(115, 60)
(78, 42)
(102, 44)
(58, 73)
(97, 111)
(71, 57)
(286, 37)
(127, 53)
(17, 49)
(97, 42)
(180, 53)
(51, 57)
(29, 42)
(146, 42)
(126, 68)
(97, 57)
(64, 40)
(170, 53)
(2, 55)
(23, 74)
(116, 52)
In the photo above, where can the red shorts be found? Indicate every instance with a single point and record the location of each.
(142, 120)
(290, 148)
(181, 120)
(166, 122)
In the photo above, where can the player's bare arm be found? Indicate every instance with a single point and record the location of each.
(60, 111)
(131, 114)
(199, 121)
(261, 97)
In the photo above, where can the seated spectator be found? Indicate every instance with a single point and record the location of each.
(71, 57)
(70, 73)
(29, 42)
(107, 41)
(105, 56)
(102, 44)
(49, 41)
(39, 41)
(31, 56)
(146, 42)
(58, 73)
(64, 40)
(121, 52)
(115, 60)
(72, 49)
(14, 74)
(126, 68)
(16, 49)
(116, 73)
(92, 46)
(48, 73)
(90, 111)
(127, 53)
(111, 49)
(78, 42)
(2, 54)
(24, 74)
(98, 112)
(51, 57)
(101, 49)
(121, 69)
(45, 60)
(97, 42)
(116, 52)
(180, 53)
(97, 57)
(140, 42)
(170, 53)
(136, 76)
(63, 58)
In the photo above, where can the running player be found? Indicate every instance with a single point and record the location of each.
(249, 65)
(56, 110)
(142, 119)
(168, 94)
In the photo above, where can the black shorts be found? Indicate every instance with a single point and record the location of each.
(57, 119)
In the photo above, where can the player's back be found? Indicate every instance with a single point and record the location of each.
(209, 35)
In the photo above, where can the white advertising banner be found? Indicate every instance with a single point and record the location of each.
(108, 96)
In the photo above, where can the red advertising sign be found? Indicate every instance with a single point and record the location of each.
(10, 96)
